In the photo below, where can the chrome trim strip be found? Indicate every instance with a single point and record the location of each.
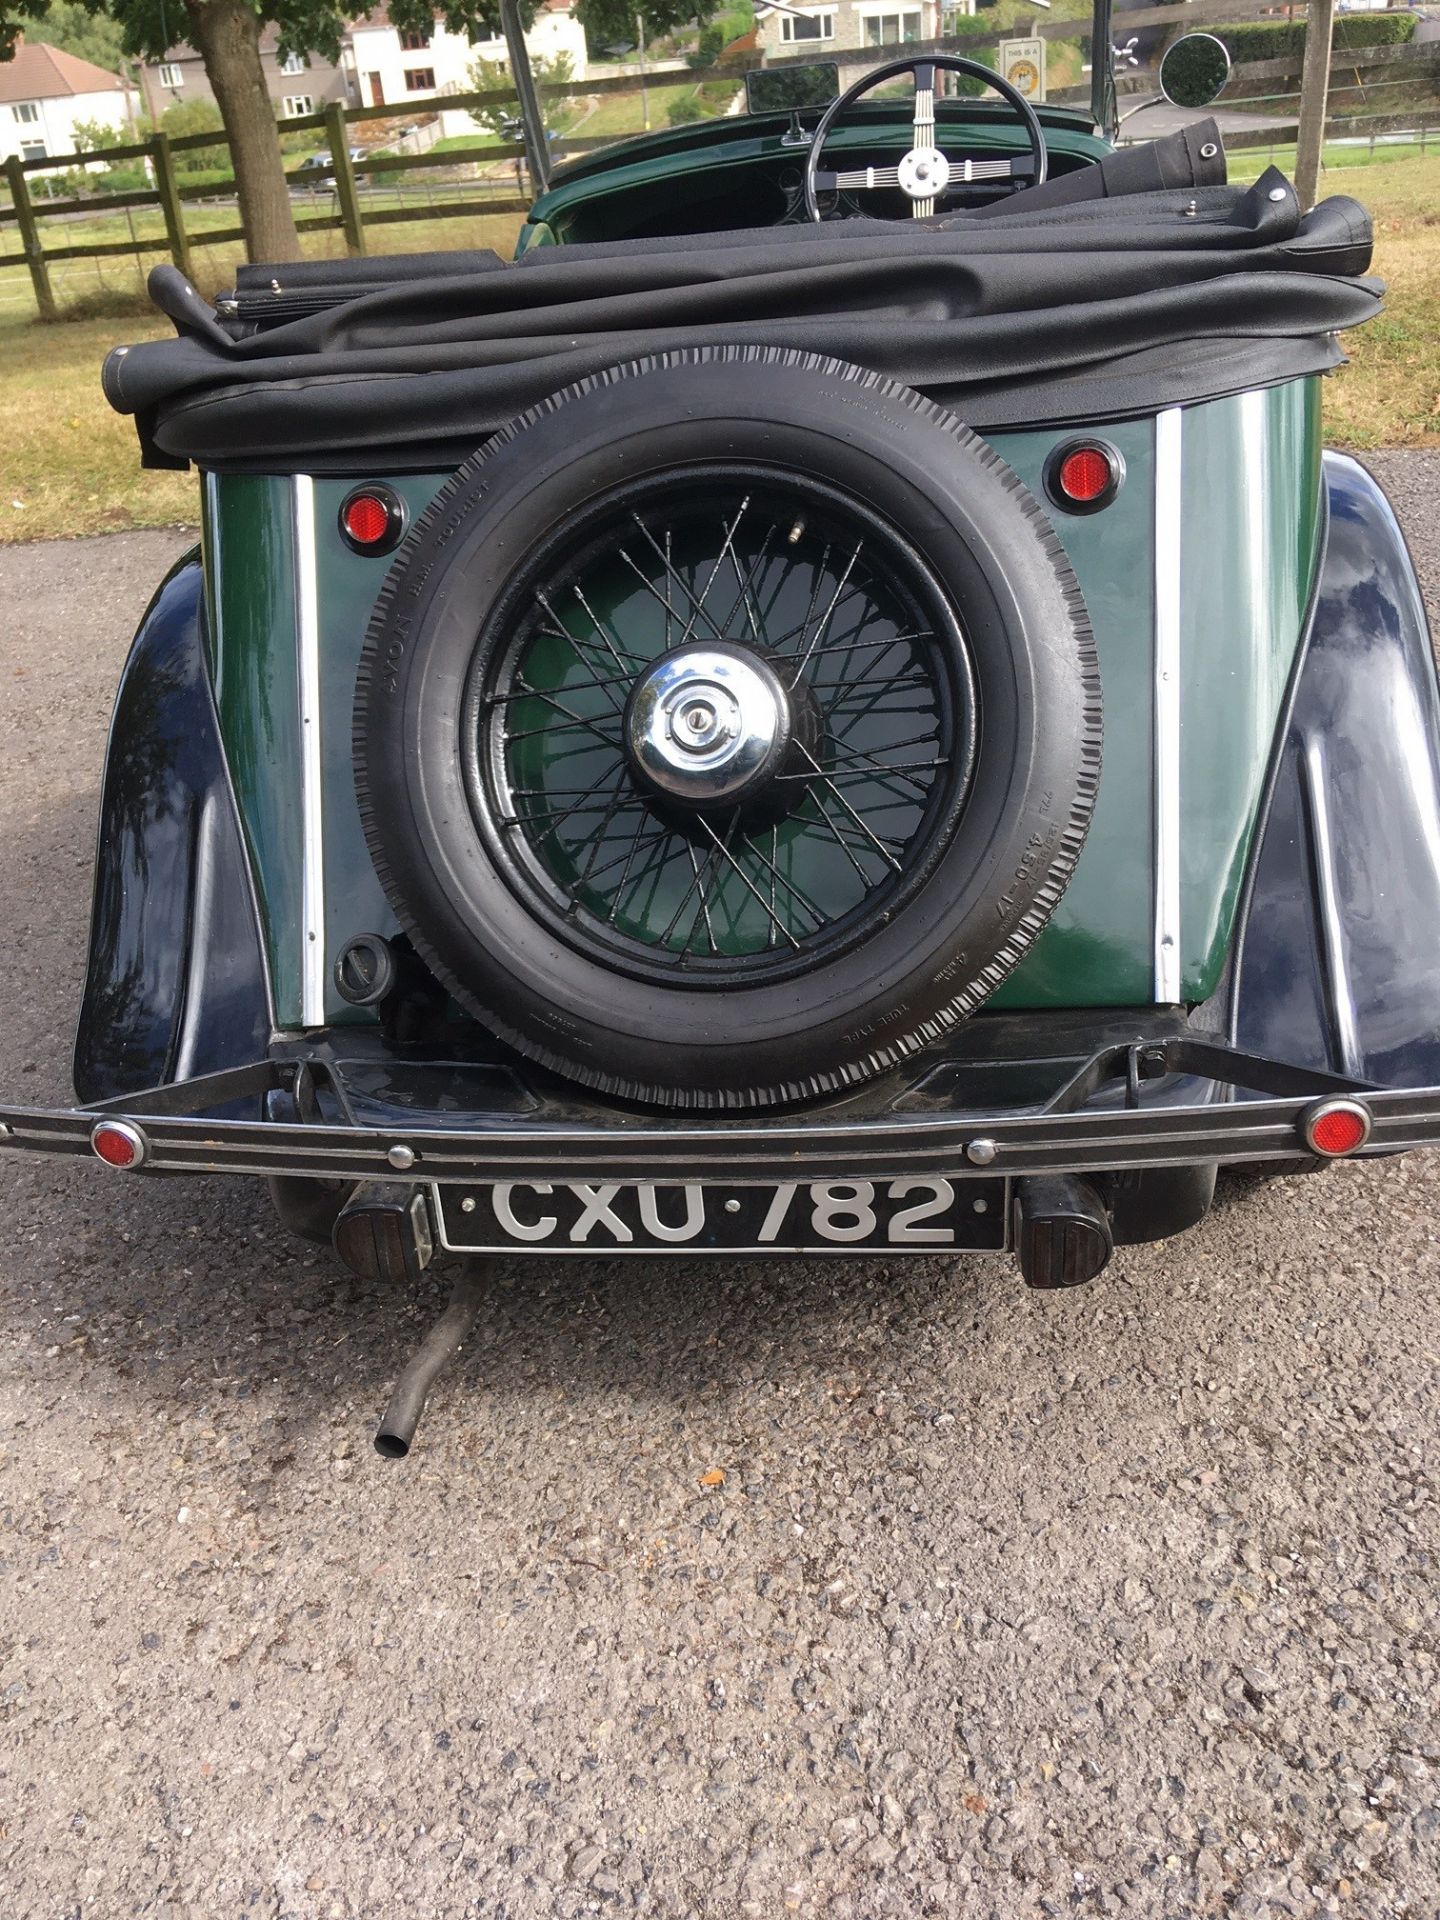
(201, 909)
(1339, 985)
(312, 774)
(1168, 436)
(1262, 1129)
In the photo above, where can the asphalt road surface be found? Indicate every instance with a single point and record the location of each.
(1117, 1603)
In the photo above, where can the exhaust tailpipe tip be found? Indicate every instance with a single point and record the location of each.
(396, 1432)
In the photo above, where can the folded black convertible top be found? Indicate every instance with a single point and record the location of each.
(1101, 296)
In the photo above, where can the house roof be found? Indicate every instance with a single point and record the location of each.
(39, 72)
(182, 50)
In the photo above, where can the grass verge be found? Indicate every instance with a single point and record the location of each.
(71, 465)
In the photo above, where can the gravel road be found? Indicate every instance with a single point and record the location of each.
(1007, 1605)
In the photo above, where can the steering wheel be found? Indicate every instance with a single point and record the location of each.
(924, 174)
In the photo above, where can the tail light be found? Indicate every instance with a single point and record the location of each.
(372, 519)
(119, 1144)
(1084, 475)
(1334, 1128)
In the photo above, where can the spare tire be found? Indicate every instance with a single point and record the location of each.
(728, 728)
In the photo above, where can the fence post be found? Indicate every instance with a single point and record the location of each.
(1314, 97)
(30, 239)
(169, 192)
(345, 193)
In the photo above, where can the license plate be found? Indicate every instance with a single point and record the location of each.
(909, 1215)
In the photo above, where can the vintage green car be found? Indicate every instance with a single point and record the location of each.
(836, 704)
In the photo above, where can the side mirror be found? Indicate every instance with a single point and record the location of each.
(1194, 69)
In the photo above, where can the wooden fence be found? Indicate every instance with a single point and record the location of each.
(1359, 77)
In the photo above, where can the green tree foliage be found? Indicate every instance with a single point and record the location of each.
(91, 135)
(1281, 39)
(736, 20)
(194, 116)
(707, 51)
(490, 76)
(610, 23)
(73, 28)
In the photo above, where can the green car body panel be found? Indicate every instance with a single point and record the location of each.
(1249, 488)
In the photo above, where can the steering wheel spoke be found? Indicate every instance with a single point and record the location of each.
(857, 179)
(925, 175)
(966, 173)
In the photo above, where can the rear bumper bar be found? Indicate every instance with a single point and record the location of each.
(1118, 1111)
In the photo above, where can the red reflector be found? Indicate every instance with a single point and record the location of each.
(1084, 475)
(118, 1144)
(367, 519)
(1338, 1129)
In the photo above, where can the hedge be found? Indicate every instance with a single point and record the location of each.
(1263, 41)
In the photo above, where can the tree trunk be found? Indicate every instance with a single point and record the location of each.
(227, 36)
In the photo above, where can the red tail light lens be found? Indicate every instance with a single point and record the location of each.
(119, 1144)
(1336, 1127)
(1084, 475)
(372, 520)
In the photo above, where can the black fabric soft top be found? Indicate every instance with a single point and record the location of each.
(1100, 296)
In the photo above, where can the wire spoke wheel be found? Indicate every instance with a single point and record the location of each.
(727, 729)
(721, 726)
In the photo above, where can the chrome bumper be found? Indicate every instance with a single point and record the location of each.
(1169, 1102)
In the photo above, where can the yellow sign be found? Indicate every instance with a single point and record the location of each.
(1022, 63)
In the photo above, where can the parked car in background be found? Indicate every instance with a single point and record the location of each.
(317, 168)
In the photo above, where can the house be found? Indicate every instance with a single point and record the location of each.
(827, 28)
(385, 67)
(296, 83)
(379, 66)
(45, 94)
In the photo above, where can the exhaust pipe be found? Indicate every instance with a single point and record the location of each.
(444, 1340)
(1063, 1235)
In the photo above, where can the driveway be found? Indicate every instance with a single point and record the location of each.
(814, 1589)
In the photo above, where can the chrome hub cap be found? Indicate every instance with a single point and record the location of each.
(707, 724)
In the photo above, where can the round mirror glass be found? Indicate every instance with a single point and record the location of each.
(1194, 70)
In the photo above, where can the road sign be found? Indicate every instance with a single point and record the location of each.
(1022, 63)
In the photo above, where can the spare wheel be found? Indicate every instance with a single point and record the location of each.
(728, 728)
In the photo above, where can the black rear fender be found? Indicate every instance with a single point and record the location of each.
(1338, 956)
(175, 981)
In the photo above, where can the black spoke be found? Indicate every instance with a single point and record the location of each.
(604, 641)
(598, 840)
(828, 783)
(745, 595)
(828, 614)
(575, 719)
(699, 872)
(704, 908)
(844, 845)
(670, 575)
(867, 765)
(624, 881)
(745, 879)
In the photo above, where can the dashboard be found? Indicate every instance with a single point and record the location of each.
(740, 173)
